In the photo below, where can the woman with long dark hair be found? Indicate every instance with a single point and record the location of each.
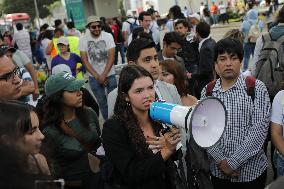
(20, 142)
(70, 130)
(133, 142)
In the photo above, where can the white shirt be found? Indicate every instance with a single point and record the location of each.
(22, 39)
(97, 50)
(277, 114)
(222, 9)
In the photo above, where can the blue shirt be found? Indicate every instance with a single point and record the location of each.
(71, 62)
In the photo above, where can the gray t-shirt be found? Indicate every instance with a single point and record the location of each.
(20, 59)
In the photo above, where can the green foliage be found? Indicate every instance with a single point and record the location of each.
(28, 7)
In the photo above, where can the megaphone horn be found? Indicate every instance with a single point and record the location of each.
(205, 121)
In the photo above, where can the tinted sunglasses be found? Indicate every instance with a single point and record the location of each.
(96, 26)
(10, 75)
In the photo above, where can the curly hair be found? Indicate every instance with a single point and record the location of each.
(123, 110)
(50, 111)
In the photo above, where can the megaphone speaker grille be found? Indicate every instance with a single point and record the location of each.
(208, 121)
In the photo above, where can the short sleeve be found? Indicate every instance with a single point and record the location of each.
(82, 44)
(277, 108)
(109, 41)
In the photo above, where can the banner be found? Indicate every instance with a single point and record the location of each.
(75, 12)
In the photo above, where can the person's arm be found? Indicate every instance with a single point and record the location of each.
(33, 74)
(277, 136)
(258, 47)
(110, 60)
(27, 88)
(49, 48)
(277, 122)
(88, 66)
(215, 152)
(257, 132)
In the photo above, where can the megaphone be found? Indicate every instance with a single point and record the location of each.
(205, 121)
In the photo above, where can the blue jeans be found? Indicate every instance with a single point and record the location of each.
(248, 51)
(119, 48)
(100, 90)
(279, 163)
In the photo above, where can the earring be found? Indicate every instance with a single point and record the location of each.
(127, 103)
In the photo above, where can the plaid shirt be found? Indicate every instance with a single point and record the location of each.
(245, 133)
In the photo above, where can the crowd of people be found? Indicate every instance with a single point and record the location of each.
(62, 137)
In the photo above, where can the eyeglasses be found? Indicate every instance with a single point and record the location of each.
(175, 49)
(95, 27)
(10, 75)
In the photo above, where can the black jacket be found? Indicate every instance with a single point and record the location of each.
(129, 169)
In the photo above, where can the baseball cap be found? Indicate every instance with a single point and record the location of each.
(63, 40)
(195, 15)
(62, 81)
(4, 48)
(92, 19)
(61, 68)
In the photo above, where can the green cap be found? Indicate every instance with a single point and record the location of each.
(62, 81)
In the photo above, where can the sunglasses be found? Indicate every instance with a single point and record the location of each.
(10, 75)
(95, 27)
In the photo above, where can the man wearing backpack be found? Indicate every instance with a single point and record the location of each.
(128, 26)
(270, 73)
(251, 27)
(238, 159)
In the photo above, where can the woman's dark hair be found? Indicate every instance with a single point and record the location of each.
(15, 119)
(50, 111)
(48, 34)
(230, 46)
(15, 123)
(175, 12)
(123, 110)
(280, 15)
(175, 68)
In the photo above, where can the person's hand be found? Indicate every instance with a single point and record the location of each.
(172, 138)
(35, 94)
(227, 170)
(156, 143)
(102, 79)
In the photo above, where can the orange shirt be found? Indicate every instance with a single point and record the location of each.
(214, 9)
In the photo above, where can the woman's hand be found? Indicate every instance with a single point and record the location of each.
(156, 143)
(172, 138)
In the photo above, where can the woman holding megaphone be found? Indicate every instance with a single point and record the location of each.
(140, 154)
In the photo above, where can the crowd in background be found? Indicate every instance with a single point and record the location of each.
(175, 60)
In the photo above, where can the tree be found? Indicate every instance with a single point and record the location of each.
(28, 7)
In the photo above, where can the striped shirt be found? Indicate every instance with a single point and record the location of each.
(25, 76)
(245, 133)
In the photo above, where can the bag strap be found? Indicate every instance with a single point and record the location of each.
(69, 131)
(250, 84)
(209, 88)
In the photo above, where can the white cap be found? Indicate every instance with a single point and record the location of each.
(61, 68)
(195, 15)
(63, 40)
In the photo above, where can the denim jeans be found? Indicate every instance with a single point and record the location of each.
(119, 48)
(100, 91)
(279, 163)
(248, 51)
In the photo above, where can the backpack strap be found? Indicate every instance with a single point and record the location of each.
(209, 88)
(250, 84)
